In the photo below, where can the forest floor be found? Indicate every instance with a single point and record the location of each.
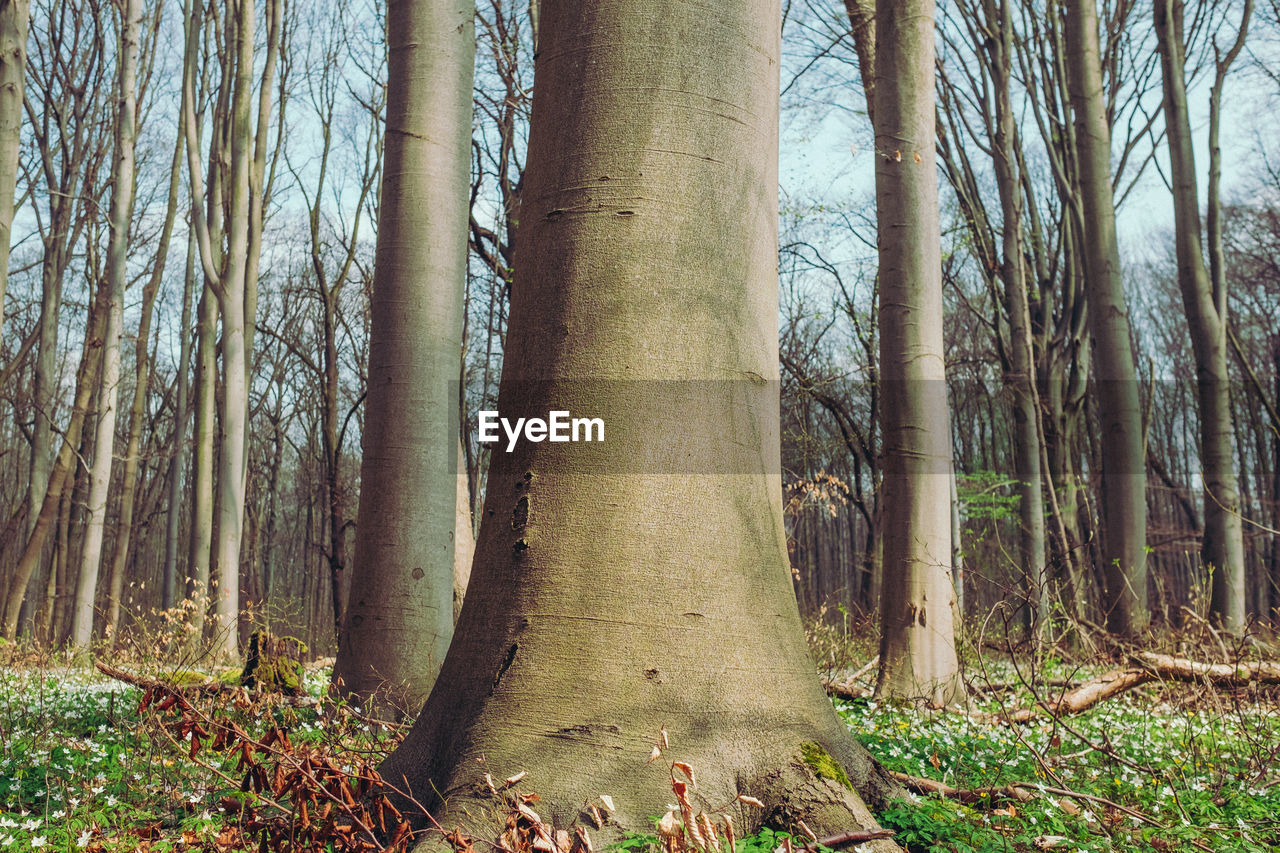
(1164, 766)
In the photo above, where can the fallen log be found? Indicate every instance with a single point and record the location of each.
(1079, 699)
(210, 686)
(1221, 674)
(1155, 667)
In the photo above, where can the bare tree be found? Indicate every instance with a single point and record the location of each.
(121, 213)
(14, 18)
(1119, 411)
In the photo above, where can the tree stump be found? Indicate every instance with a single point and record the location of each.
(274, 663)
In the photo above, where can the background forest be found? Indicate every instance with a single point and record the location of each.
(268, 260)
(133, 527)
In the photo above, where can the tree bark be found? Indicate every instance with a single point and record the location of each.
(917, 639)
(137, 409)
(1119, 412)
(1021, 374)
(182, 413)
(636, 592)
(399, 620)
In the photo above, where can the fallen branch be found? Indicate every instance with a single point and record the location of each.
(848, 689)
(922, 785)
(1239, 674)
(1154, 667)
(1003, 686)
(856, 837)
(1079, 699)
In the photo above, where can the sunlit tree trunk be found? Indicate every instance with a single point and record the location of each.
(137, 410)
(637, 592)
(400, 617)
(121, 213)
(1124, 508)
(228, 269)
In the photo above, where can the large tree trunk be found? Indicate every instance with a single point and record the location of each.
(917, 639)
(121, 213)
(1206, 310)
(14, 16)
(399, 620)
(636, 591)
(1119, 412)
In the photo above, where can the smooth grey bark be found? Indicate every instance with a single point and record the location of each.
(119, 216)
(640, 586)
(200, 543)
(182, 414)
(918, 603)
(1123, 513)
(137, 408)
(230, 270)
(14, 17)
(399, 618)
(1205, 306)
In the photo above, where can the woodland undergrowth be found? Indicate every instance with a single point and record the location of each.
(176, 759)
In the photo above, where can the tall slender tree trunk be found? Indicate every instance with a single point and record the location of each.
(399, 620)
(121, 213)
(1206, 310)
(1119, 411)
(182, 413)
(137, 410)
(1017, 286)
(200, 545)
(45, 373)
(204, 224)
(637, 592)
(14, 16)
(917, 639)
